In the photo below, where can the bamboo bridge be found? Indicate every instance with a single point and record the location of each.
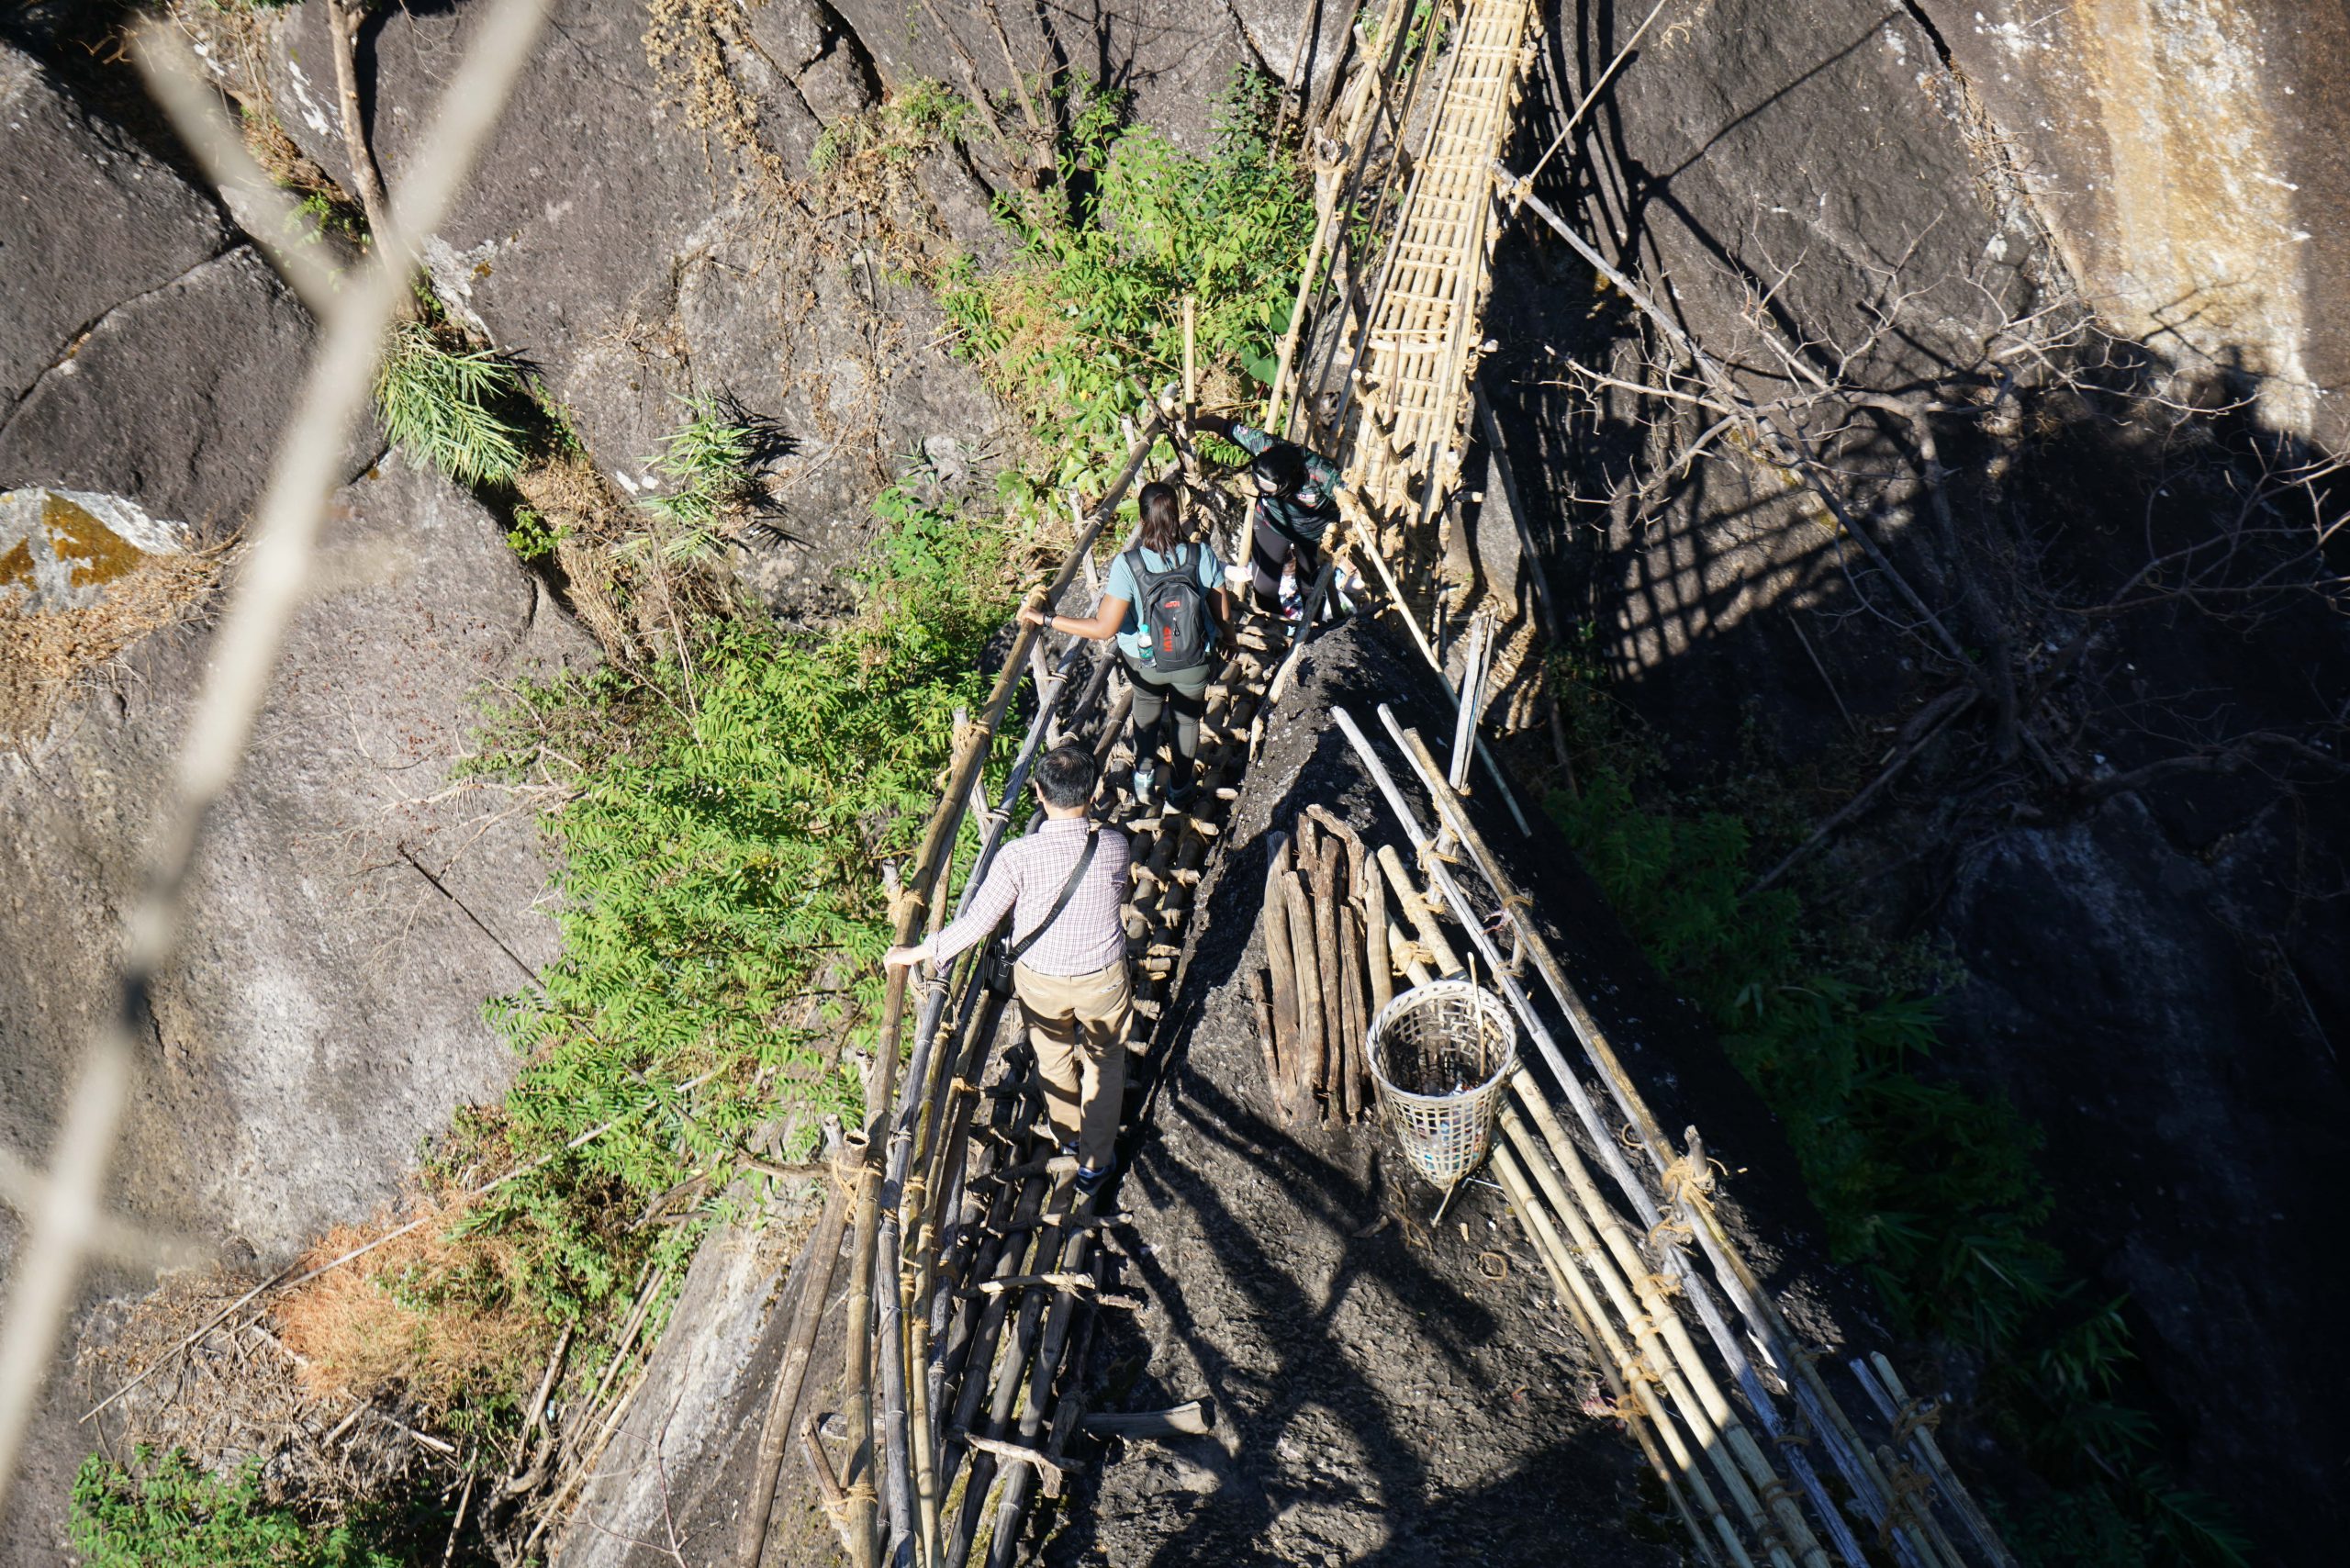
(976, 1274)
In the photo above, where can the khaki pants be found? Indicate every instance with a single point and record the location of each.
(1077, 1024)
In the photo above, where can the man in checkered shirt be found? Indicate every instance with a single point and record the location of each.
(1072, 981)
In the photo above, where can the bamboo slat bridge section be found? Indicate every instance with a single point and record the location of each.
(978, 1271)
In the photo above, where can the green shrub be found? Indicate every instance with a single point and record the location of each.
(708, 459)
(1084, 325)
(452, 410)
(167, 1513)
(720, 849)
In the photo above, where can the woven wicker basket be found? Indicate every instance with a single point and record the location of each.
(1453, 1044)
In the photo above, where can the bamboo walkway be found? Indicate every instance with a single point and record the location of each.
(978, 1273)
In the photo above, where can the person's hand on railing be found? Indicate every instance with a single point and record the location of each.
(905, 957)
(1033, 615)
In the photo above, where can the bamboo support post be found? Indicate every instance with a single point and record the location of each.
(1327, 967)
(1417, 910)
(1305, 1070)
(1627, 1372)
(819, 1259)
(1350, 1077)
(1372, 883)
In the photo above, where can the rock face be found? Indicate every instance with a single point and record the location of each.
(2147, 973)
(2189, 160)
(143, 353)
(2110, 996)
(347, 919)
(638, 231)
(88, 221)
(1174, 56)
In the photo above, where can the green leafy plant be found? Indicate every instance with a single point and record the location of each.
(707, 460)
(451, 408)
(920, 116)
(1086, 321)
(722, 910)
(533, 536)
(166, 1513)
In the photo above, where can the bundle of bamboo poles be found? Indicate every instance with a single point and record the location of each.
(1328, 969)
(1732, 1421)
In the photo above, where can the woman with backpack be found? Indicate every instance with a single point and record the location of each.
(1166, 604)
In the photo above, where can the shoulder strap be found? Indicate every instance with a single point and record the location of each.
(1069, 890)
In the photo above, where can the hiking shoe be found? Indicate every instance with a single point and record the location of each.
(1142, 782)
(1180, 799)
(1088, 1180)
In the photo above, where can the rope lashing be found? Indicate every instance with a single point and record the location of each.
(1410, 953)
(1687, 1180)
(837, 1508)
(1670, 1232)
(1913, 1416)
(1664, 1285)
(1905, 1486)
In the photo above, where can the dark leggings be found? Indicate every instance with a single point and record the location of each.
(1186, 692)
(1268, 549)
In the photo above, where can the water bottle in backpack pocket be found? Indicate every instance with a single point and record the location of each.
(1173, 610)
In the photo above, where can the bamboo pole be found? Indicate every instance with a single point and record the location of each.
(1280, 966)
(1312, 1036)
(1373, 882)
(1327, 960)
(1626, 1372)
(1826, 1420)
(1418, 911)
(1894, 1401)
(1351, 995)
(1632, 1288)
(822, 1255)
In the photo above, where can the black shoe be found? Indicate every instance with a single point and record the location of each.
(1089, 1181)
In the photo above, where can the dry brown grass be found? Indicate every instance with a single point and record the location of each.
(433, 1318)
(236, 1393)
(45, 657)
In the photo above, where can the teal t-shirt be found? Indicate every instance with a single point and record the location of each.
(1122, 585)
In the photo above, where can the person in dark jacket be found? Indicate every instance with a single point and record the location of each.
(1296, 504)
(1161, 553)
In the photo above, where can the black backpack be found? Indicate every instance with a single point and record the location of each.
(1173, 610)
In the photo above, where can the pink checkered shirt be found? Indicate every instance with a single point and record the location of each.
(1028, 876)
